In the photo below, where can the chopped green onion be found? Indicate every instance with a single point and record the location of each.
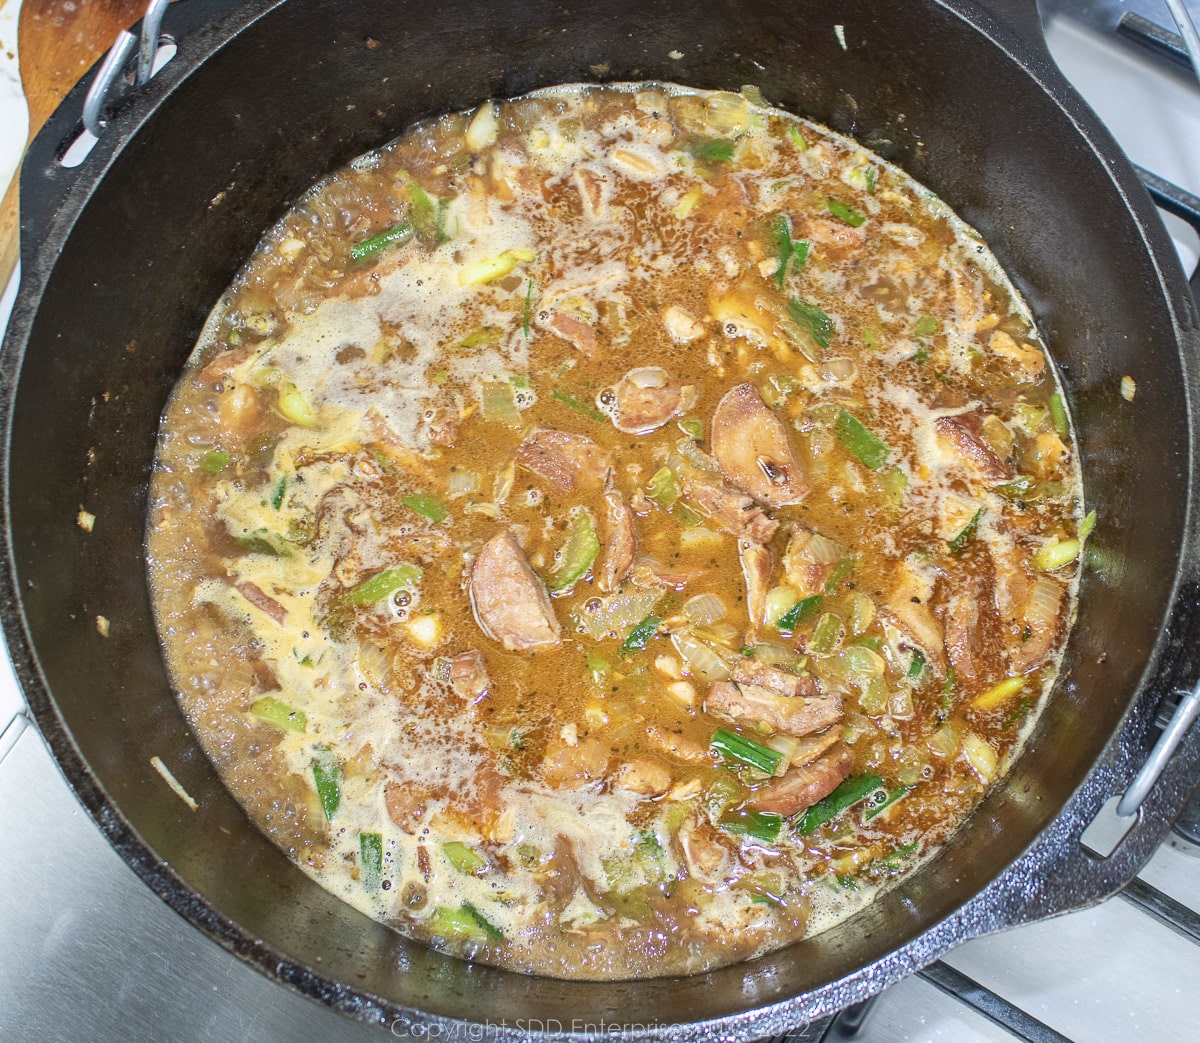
(798, 613)
(384, 584)
(441, 230)
(887, 802)
(948, 687)
(278, 713)
(812, 320)
(424, 211)
(870, 340)
(488, 928)
(480, 338)
(463, 858)
(597, 666)
(760, 825)
(527, 312)
(640, 634)
(797, 138)
(841, 572)
(917, 665)
(571, 402)
(789, 250)
(710, 150)
(499, 403)
(214, 461)
(426, 505)
(855, 789)
(1055, 555)
(327, 775)
(845, 213)
(370, 859)
(926, 326)
(1016, 489)
(577, 553)
(263, 541)
(870, 451)
(967, 534)
(368, 249)
(692, 427)
(826, 635)
(1058, 413)
(1088, 525)
(662, 487)
(747, 751)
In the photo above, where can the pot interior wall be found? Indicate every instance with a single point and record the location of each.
(312, 84)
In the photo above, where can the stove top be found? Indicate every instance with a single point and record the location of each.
(87, 951)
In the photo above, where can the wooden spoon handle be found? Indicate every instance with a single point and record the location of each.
(57, 42)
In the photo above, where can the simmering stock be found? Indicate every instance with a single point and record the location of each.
(614, 532)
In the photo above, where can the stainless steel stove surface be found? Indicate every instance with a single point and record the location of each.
(88, 952)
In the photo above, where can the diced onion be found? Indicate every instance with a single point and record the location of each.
(614, 615)
(779, 602)
(863, 662)
(785, 744)
(461, 483)
(839, 370)
(821, 551)
(945, 742)
(862, 613)
(703, 661)
(900, 704)
(980, 756)
(483, 128)
(704, 609)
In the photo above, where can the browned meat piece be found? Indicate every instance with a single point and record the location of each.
(620, 543)
(646, 777)
(706, 853)
(575, 332)
(644, 399)
(254, 594)
(406, 805)
(733, 511)
(678, 746)
(568, 462)
(803, 786)
(576, 765)
(752, 703)
(962, 634)
(836, 238)
(468, 674)
(222, 364)
(756, 571)
(972, 450)
(439, 427)
(805, 561)
(908, 608)
(591, 192)
(510, 602)
(751, 446)
(1039, 623)
(264, 676)
(781, 682)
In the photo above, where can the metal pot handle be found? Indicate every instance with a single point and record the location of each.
(1181, 203)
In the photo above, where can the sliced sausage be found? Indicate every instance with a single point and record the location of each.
(468, 674)
(567, 461)
(732, 510)
(803, 786)
(644, 400)
(620, 543)
(752, 704)
(972, 450)
(756, 571)
(751, 447)
(509, 600)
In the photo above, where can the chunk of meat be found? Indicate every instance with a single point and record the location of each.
(575, 332)
(734, 511)
(567, 461)
(253, 593)
(1027, 362)
(813, 746)
(754, 704)
(907, 606)
(681, 326)
(407, 805)
(509, 600)
(751, 447)
(678, 746)
(756, 571)
(781, 682)
(835, 237)
(706, 854)
(644, 400)
(803, 786)
(1039, 632)
(972, 450)
(468, 674)
(644, 776)
(439, 427)
(620, 543)
(806, 561)
(963, 634)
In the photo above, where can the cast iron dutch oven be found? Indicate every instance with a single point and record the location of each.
(123, 258)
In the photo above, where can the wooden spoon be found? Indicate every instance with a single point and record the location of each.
(57, 42)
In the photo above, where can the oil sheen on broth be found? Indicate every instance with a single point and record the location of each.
(614, 532)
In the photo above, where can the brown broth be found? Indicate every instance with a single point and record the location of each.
(355, 435)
